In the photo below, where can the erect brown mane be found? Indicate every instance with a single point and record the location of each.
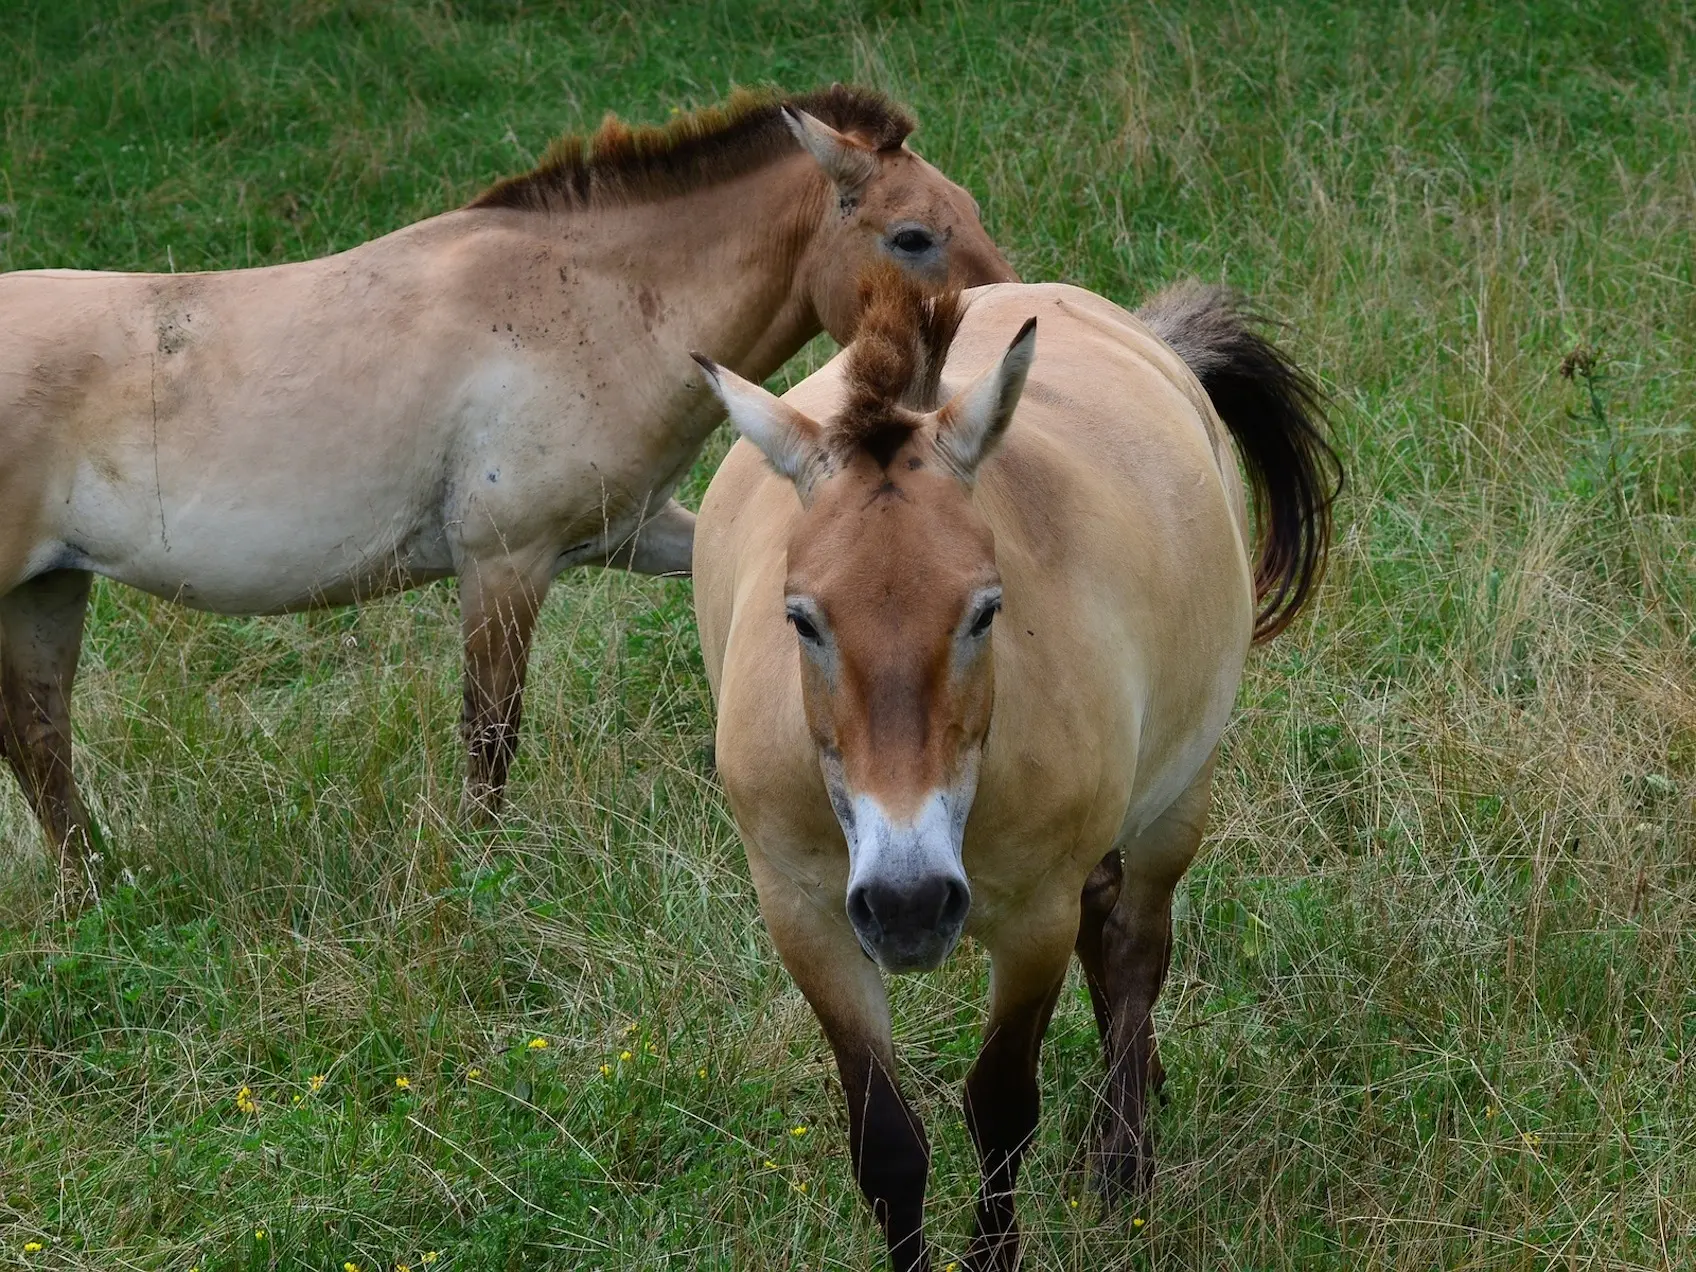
(622, 164)
(895, 362)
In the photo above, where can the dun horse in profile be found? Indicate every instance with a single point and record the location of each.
(974, 624)
(483, 394)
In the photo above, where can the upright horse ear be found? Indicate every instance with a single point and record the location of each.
(972, 422)
(848, 164)
(786, 437)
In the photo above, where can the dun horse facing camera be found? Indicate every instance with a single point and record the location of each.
(974, 617)
(482, 394)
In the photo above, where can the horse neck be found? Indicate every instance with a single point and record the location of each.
(724, 265)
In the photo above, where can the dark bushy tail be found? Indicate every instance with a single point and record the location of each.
(1275, 412)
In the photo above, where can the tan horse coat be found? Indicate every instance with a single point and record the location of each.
(495, 393)
(1119, 539)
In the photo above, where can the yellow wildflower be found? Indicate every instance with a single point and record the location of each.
(798, 1132)
(537, 1044)
(244, 1100)
(1531, 1138)
(350, 1267)
(316, 1081)
(32, 1247)
(701, 1072)
(1137, 1222)
(653, 1050)
(1074, 1203)
(473, 1074)
(624, 1055)
(630, 1028)
(259, 1234)
(403, 1267)
(770, 1165)
(1489, 1110)
(800, 1186)
(297, 1097)
(606, 1071)
(430, 1256)
(403, 1083)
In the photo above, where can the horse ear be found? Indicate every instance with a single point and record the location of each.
(786, 437)
(848, 164)
(972, 422)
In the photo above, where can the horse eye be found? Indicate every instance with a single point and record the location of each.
(986, 617)
(803, 627)
(912, 241)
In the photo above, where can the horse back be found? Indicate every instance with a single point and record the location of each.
(1121, 538)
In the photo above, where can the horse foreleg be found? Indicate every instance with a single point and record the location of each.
(498, 606)
(1137, 951)
(886, 1139)
(40, 642)
(665, 544)
(1002, 1099)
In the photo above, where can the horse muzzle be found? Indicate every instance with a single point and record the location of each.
(908, 896)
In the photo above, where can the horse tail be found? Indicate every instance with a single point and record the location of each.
(1275, 412)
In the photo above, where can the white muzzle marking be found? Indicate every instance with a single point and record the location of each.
(907, 890)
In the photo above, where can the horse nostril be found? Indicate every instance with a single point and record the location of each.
(934, 904)
(909, 924)
(860, 912)
(955, 904)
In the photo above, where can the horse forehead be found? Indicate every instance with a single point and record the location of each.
(894, 635)
(908, 179)
(895, 549)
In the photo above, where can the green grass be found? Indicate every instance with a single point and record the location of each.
(1434, 999)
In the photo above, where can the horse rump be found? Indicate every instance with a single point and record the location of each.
(1275, 412)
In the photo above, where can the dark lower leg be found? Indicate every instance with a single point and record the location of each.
(886, 1142)
(1101, 892)
(498, 619)
(1138, 945)
(1002, 1107)
(40, 642)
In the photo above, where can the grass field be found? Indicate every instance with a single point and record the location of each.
(1434, 997)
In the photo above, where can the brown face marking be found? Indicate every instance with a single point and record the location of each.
(904, 188)
(901, 697)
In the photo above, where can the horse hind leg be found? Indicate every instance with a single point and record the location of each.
(40, 641)
(1095, 907)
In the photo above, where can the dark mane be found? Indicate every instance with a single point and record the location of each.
(895, 362)
(622, 164)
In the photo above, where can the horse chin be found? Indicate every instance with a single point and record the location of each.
(899, 960)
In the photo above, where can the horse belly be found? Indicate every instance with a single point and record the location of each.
(236, 552)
